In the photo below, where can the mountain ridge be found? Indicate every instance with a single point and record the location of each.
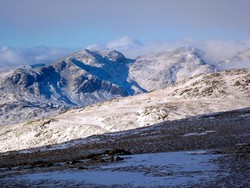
(87, 77)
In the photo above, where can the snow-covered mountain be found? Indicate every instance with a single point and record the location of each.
(80, 79)
(77, 79)
(87, 77)
(160, 70)
(240, 60)
(243, 55)
(202, 94)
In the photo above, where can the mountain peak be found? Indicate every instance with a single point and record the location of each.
(240, 60)
(185, 50)
(112, 55)
(94, 57)
(161, 70)
(244, 54)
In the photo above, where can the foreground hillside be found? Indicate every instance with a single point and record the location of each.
(207, 151)
(203, 94)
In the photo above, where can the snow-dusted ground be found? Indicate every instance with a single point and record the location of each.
(197, 96)
(98, 120)
(144, 170)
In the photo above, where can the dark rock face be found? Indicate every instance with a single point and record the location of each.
(21, 78)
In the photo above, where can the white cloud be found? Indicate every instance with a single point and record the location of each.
(10, 58)
(15, 57)
(214, 50)
(124, 43)
(95, 47)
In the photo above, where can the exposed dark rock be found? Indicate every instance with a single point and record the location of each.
(116, 151)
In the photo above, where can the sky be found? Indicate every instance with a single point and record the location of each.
(76, 24)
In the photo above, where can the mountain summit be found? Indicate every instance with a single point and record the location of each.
(163, 69)
(80, 79)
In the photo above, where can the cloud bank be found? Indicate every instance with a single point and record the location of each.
(16, 57)
(124, 43)
(214, 51)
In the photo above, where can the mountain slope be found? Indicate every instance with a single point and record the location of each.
(229, 84)
(240, 60)
(228, 90)
(163, 69)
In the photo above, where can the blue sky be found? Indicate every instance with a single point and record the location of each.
(42, 31)
(75, 24)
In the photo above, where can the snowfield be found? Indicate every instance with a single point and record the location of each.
(202, 94)
(145, 170)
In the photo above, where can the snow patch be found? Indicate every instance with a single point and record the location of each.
(142, 170)
(199, 134)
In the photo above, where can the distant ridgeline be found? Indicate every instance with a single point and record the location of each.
(87, 77)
